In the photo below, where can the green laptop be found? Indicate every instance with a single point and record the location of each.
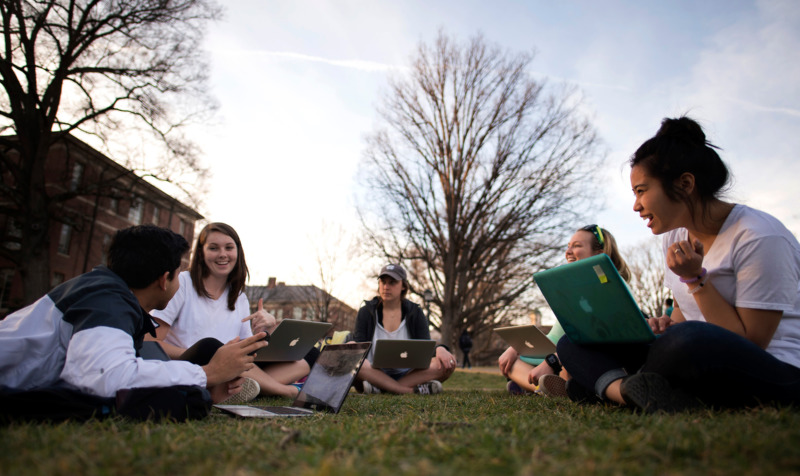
(593, 303)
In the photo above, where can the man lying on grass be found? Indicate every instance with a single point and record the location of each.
(85, 334)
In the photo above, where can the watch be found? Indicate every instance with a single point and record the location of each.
(553, 362)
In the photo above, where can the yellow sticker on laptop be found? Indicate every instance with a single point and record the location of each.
(600, 273)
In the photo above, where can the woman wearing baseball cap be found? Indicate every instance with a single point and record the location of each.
(391, 316)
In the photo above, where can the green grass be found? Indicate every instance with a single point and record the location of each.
(473, 428)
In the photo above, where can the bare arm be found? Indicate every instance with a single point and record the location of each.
(162, 332)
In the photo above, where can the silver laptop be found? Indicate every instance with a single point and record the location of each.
(403, 354)
(292, 340)
(325, 388)
(528, 341)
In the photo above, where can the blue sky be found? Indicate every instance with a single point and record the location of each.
(298, 83)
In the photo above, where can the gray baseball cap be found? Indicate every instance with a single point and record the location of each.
(394, 270)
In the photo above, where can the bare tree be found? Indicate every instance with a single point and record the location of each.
(646, 261)
(103, 69)
(474, 176)
(334, 254)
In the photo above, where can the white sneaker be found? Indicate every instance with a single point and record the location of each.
(431, 387)
(250, 390)
(369, 388)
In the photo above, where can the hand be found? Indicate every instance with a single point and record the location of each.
(446, 359)
(221, 391)
(660, 324)
(685, 259)
(506, 361)
(230, 360)
(261, 320)
(538, 372)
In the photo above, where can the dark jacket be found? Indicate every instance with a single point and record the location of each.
(416, 322)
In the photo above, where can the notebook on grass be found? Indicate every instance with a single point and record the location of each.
(325, 388)
(403, 353)
(292, 340)
(528, 341)
(593, 303)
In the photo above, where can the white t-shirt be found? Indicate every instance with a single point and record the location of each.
(193, 317)
(754, 263)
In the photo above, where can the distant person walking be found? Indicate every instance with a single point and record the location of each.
(465, 344)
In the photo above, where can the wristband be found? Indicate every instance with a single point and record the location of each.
(696, 278)
(699, 287)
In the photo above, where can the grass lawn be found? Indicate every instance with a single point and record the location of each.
(474, 427)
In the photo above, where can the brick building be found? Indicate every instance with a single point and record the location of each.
(108, 197)
(306, 302)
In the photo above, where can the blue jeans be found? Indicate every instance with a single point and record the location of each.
(719, 367)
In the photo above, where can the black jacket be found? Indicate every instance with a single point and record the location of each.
(416, 322)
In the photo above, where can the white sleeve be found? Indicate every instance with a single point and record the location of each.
(243, 309)
(102, 360)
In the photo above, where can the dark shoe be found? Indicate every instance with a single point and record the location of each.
(431, 387)
(580, 394)
(652, 393)
(553, 386)
(515, 389)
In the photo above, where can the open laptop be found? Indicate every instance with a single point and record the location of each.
(292, 340)
(325, 388)
(403, 354)
(528, 341)
(593, 303)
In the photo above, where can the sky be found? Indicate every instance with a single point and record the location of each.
(299, 83)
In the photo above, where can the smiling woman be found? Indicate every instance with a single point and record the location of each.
(211, 306)
(734, 273)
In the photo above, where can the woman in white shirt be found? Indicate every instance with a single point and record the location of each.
(210, 308)
(733, 339)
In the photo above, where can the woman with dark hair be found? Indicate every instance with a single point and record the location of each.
(733, 339)
(526, 373)
(211, 303)
(391, 316)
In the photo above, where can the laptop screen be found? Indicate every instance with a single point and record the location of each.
(331, 376)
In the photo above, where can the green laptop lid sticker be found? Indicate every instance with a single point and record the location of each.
(600, 273)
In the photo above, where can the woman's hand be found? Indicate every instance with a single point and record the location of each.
(261, 320)
(685, 259)
(660, 324)
(506, 361)
(538, 372)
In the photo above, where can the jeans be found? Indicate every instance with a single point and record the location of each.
(718, 366)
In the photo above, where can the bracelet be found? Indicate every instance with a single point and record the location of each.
(695, 279)
(700, 286)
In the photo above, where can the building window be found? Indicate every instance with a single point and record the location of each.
(279, 314)
(297, 313)
(181, 227)
(113, 205)
(14, 233)
(64, 239)
(58, 278)
(77, 174)
(309, 313)
(135, 212)
(156, 213)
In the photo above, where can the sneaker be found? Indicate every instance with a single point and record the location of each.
(514, 389)
(553, 386)
(652, 393)
(250, 390)
(431, 387)
(369, 388)
(580, 394)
